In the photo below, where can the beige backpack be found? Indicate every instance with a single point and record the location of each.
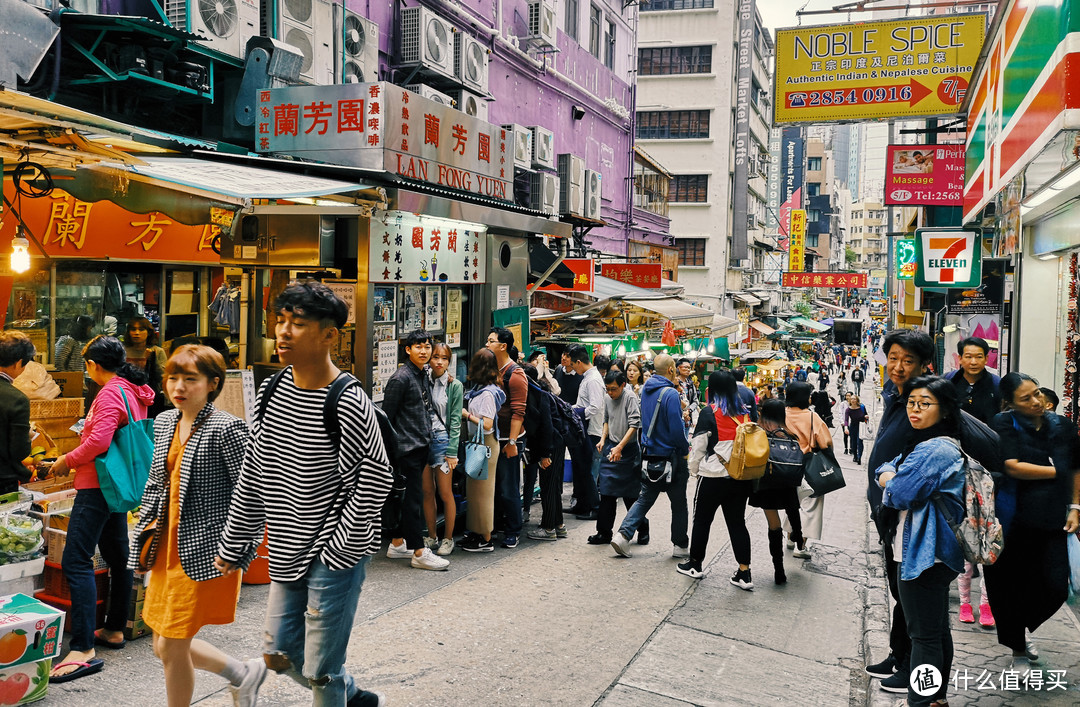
(749, 452)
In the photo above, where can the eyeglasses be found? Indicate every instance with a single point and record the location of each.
(919, 405)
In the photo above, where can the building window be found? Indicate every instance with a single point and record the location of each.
(813, 188)
(665, 61)
(811, 240)
(594, 30)
(813, 164)
(691, 251)
(658, 5)
(572, 19)
(689, 187)
(672, 124)
(609, 46)
(813, 214)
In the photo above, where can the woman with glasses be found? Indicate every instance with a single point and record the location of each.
(1038, 505)
(929, 555)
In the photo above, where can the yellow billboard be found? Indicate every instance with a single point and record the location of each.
(797, 242)
(910, 67)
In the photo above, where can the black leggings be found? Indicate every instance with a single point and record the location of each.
(551, 488)
(730, 496)
(605, 515)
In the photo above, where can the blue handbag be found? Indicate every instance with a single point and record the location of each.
(477, 454)
(124, 469)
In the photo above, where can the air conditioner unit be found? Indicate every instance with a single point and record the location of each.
(522, 140)
(543, 152)
(307, 25)
(357, 53)
(542, 26)
(545, 193)
(571, 169)
(470, 103)
(592, 194)
(571, 198)
(426, 41)
(470, 62)
(429, 92)
(226, 25)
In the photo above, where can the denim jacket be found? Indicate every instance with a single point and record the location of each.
(934, 465)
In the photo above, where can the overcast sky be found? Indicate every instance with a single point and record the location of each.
(781, 13)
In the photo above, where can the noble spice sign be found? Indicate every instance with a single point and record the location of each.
(849, 280)
(382, 126)
(646, 275)
(948, 257)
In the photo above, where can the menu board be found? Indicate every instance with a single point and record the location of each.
(238, 396)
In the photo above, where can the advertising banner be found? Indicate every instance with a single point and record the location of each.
(409, 248)
(948, 257)
(924, 175)
(915, 66)
(636, 274)
(797, 244)
(792, 158)
(772, 225)
(986, 299)
(743, 88)
(905, 259)
(849, 280)
(583, 270)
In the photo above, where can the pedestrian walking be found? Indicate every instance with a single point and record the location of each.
(483, 401)
(635, 376)
(543, 443)
(16, 350)
(407, 404)
(773, 420)
(746, 396)
(568, 381)
(668, 442)
(511, 419)
(318, 557)
(590, 408)
(198, 452)
(711, 449)
(854, 418)
(447, 395)
(620, 459)
(857, 378)
(928, 472)
(1039, 499)
(812, 433)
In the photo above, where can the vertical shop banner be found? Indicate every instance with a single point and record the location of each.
(453, 311)
(913, 66)
(797, 243)
(740, 249)
(772, 224)
(906, 263)
(647, 275)
(848, 280)
(583, 269)
(924, 175)
(948, 257)
(792, 165)
(405, 247)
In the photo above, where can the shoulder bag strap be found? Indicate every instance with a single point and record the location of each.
(656, 414)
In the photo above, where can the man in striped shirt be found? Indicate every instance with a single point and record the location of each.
(318, 496)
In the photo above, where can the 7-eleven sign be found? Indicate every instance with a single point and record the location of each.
(948, 257)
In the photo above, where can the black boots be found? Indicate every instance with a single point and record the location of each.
(776, 549)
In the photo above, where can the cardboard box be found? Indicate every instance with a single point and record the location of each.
(29, 630)
(136, 629)
(70, 382)
(25, 683)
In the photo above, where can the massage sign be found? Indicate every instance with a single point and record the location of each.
(948, 257)
(384, 127)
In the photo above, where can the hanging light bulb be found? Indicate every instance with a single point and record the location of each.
(645, 345)
(686, 347)
(20, 252)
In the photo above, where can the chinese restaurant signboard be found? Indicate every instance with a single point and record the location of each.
(850, 280)
(636, 274)
(384, 127)
(797, 243)
(915, 66)
(583, 276)
(924, 175)
(69, 228)
(408, 248)
(948, 257)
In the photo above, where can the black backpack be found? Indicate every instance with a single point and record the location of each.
(532, 402)
(786, 467)
(567, 423)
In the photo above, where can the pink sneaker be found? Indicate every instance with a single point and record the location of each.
(986, 617)
(966, 616)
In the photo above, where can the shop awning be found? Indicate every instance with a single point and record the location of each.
(746, 298)
(761, 355)
(722, 326)
(739, 352)
(762, 327)
(681, 314)
(774, 366)
(827, 305)
(809, 324)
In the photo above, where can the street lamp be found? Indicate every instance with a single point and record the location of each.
(20, 252)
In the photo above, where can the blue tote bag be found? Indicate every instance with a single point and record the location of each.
(123, 469)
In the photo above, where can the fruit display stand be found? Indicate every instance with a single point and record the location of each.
(21, 545)
(30, 639)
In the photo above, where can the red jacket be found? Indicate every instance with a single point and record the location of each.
(106, 415)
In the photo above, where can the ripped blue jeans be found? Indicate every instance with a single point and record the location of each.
(308, 624)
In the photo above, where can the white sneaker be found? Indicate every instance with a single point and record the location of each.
(680, 552)
(621, 544)
(445, 547)
(398, 552)
(431, 543)
(804, 553)
(428, 560)
(247, 693)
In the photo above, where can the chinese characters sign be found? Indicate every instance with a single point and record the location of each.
(583, 276)
(948, 257)
(637, 274)
(797, 241)
(407, 248)
(69, 228)
(850, 280)
(382, 126)
(925, 175)
(915, 66)
(905, 259)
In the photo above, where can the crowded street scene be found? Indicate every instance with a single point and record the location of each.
(538, 352)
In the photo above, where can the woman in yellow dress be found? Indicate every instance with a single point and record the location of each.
(198, 451)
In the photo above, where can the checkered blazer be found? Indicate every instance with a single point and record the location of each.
(209, 470)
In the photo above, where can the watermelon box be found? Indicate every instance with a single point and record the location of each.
(29, 630)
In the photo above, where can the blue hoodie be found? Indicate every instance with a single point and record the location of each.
(670, 433)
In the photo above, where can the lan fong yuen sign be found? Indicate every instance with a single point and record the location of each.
(384, 127)
(916, 66)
